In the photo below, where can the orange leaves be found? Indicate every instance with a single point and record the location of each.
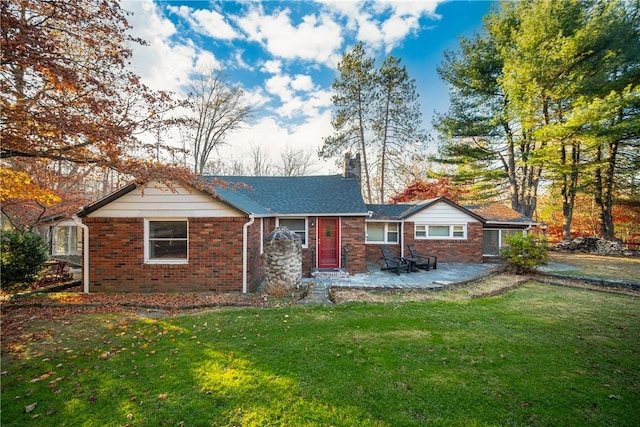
(67, 94)
(18, 185)
(424, 190)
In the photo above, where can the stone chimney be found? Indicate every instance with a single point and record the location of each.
(352, 168)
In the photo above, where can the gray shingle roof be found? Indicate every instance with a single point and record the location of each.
(296, 195)
(389, 212)
(400, 211)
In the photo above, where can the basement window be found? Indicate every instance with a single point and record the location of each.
(166, 241)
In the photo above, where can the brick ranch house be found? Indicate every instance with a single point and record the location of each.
(152, 239)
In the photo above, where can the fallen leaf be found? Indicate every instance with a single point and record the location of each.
(42, 377)
(162, 396)
(31, 407)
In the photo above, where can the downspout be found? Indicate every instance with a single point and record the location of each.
(85, 253)
(245, 232)
(402, 238)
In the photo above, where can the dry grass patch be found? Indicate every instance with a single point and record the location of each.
(601, 266)
(490, 285)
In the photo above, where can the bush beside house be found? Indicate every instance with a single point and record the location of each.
(23, 256)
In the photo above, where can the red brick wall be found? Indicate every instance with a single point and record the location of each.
(374, 255)
(353, 239)
(448, 250)
(116, 257)
(255, 259)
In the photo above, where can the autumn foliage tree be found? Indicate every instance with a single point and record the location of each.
(424, 190)
(66, 92)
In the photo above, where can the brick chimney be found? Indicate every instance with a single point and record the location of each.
(352, 168)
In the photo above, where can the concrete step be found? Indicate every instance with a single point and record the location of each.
(318, 294)
(330, 273)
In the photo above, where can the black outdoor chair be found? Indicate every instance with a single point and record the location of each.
(394, 263)
(423, 260)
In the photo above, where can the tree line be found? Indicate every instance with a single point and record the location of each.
(546, 97)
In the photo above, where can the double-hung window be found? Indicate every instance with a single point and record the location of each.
(166, 241)
(440, 231)
(296, 225)
(382, 232)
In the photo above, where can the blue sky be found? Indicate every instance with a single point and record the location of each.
(284, 55)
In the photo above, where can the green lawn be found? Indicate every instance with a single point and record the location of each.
(538, 355)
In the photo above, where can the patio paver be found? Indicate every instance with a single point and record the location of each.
(447, 273)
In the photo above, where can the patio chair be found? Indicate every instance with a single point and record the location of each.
(394, 263)
(424, 260)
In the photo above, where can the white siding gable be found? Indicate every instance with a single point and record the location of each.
(441, 213)
(156, 200)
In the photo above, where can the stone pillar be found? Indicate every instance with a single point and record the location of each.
(283, 261)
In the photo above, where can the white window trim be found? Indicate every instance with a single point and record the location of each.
(306, 227)
(147, 259)
(449, 237)
(386, 233)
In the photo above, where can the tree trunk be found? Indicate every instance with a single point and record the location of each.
(363, 150)
(383, 153)
(605, 191)
(569, 187)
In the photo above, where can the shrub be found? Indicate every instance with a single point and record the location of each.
(524, 253)
(23, 255)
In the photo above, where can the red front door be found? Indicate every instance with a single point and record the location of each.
(328, 243)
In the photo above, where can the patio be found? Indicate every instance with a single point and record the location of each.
(447, 273)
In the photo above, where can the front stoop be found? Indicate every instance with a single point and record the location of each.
(330, 273)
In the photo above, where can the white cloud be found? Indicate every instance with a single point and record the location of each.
(302, 82)
(268, 133)
(383, 24)
(164, 64)
(239, 61)
(312, 105)
(205, 60)
(272, 66)
(207, 22)
(280, 86)
(314, 39)
(255, 97)
(298, 95)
